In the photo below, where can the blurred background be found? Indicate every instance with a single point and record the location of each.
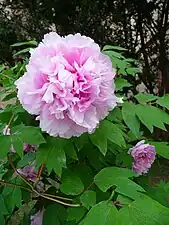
(141, 26)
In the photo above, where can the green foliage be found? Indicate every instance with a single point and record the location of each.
(52, 155)
(104, 213)
(71, 183)
(88, 198)
(144, 211)
(54, 215)
(85, 180)
(113, 176)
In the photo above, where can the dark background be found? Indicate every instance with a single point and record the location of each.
(141, 26)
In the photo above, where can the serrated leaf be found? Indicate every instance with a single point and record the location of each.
(162, 149)
(28, 134)
(52, 154)
(120, 83)
(129, 117)
(88, 198)
(164, 101)
(151, 116)
(104, 213)
(76, 214)
(113, 54)
(5, 143)
(133, 70)
(71, 184)
(54, 215)
(144, 98)
(144, 211)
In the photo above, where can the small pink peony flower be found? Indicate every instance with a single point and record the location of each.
(29, 148)
(69, 85)
(6, 131)
(144, 156)
(28, 172)
(37, 219)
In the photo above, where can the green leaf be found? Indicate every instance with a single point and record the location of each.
(151, 116)
(26, 160)
(54, 215)
(115, 115)
(113, 54)
(76, 214)
(123, 199)
(144, 211)
(164, 101)
(18, 146)
(104, 213)
(113, 133)
(23, 51)
(2, 220)
(52, 154)
(121, 83)
(107, 177)
(109, 47)
(88, 198)
(71, 184)
(162, 149)
(28, 134)
(118, 177)
(70, 150)
(3, 208)
(144, 98)
(5, 143)
(133, 70)
(129, 117)
(13, 194)
(100, 140)
(25, 43)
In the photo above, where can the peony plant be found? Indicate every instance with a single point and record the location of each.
(75, 149)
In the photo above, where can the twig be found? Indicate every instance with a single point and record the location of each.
(39, 194)
(86, 189)
(4, 182)
(6, 76)
(40, 171)
(58, 197)
(63, 203)
(9, 123)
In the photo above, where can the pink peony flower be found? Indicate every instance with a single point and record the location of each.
(37, 219)
(29, 148)
(69, 85)
(28, 172)
(144, 156)
(6, 131)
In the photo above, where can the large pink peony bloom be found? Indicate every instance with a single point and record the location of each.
(69, 85)
(144, 156)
